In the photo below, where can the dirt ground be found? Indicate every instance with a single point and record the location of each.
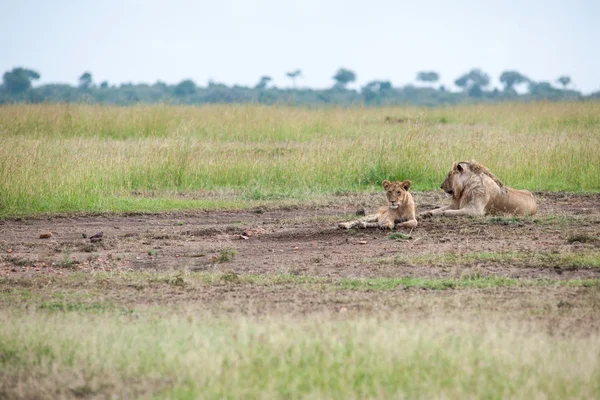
(303, 240)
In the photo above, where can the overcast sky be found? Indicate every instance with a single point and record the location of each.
(238, 41)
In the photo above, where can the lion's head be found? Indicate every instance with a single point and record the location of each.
(396, 192)
(460, 173)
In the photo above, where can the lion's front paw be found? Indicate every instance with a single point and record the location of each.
(344, 225)
(425, 215)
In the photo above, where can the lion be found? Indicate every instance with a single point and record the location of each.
(476, 191)
(399, 213)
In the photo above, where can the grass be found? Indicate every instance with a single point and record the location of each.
(581, 238)
(187, 357)
(150, 335)
(198, 280)
(398, 236)
(583, 259)
(187, 335)
(83, 158)
(225, 255)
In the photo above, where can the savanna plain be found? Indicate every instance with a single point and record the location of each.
(220, 271)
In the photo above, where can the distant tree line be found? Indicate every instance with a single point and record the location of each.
(474, 87)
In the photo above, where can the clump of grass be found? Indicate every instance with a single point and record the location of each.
(581, 238)
(176, 280)
(67, 260)
(399, 236)
(230, 277)
(507, 220)
(225, 255)
(19, 262)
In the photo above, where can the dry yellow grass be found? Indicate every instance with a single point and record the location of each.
(92, 158)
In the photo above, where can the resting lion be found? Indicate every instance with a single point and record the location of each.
(399, 213)
(476, 191)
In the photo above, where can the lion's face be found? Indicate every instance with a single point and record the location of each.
(396, 192)
(453, 183)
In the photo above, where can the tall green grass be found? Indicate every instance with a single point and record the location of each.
(49, 355)
(58, 158)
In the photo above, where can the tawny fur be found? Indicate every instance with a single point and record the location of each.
(476, 191)
(399, 213)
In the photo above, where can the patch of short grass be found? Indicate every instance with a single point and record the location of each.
(399, 236)
(581, 238)
(588, 259)
(197, 280)
(77, 306)
(507, 220)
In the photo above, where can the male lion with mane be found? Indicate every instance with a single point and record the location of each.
(476, 191)
(399, 213)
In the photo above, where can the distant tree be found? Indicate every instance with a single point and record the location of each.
(264, 81)
(564, 81)
(473, 81)
(343, 77)
(425, 76)
(19, 79)
(511, 78)
(544, 90)
(185, 88)
(293, 75)
(85, 80)
(374, 91)
(104, 85)
(462, 82)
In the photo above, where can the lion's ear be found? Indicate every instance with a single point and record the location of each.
(462, 167)
(386, 184)
(406, 185)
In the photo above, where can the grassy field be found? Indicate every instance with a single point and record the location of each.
(61, 158)
(95, 335)
(367, 357)
(275, 302)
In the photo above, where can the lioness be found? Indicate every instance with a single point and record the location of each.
(476, 191)
(399, 213)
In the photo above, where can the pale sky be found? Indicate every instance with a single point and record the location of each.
(238, 41)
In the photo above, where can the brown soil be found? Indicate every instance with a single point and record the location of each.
(303, 241)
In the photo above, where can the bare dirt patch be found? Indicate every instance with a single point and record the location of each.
(305, 241)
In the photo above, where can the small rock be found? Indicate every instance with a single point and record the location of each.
(45, 235)
(362, 242)
(9, 251)
(95, 239)
(83, 235)
(97, 235)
